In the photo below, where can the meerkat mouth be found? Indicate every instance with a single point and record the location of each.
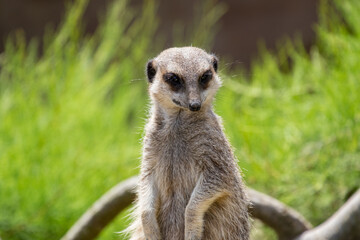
(191, 107)
(177, 102)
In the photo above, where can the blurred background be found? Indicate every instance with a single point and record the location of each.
(241, 24)
(73, 100)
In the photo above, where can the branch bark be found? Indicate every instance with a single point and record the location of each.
(344, 224)
(287, 223)
(103, 211)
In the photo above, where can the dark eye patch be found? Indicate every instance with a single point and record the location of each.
(205, 78)
(174, 81)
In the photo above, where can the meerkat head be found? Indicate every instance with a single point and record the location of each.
(183, 78)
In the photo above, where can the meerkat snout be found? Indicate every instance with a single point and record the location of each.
(194, 96)
(194, 106)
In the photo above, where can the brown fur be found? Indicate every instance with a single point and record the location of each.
(190, 185)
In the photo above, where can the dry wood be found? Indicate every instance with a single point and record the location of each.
(288, 224)
(343, 225)
(103, 211)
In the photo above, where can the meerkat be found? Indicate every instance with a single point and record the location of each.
(190, 186)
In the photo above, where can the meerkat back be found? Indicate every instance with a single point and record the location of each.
(190, 185)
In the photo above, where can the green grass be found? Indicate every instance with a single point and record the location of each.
(71, 119)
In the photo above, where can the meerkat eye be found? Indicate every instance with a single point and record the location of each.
(173, 80)
(205, 78)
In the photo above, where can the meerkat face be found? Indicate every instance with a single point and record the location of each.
(183, 78)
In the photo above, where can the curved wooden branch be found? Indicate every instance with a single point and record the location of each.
(343, 225)
(285, 221)
(289, 224)
(103, 211)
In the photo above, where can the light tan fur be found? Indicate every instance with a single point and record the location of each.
(190, 186)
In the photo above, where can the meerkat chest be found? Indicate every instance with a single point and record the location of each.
(178, 152)
(177, 168)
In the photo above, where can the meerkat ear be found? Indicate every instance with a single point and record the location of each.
(215, 62)
(150, 70)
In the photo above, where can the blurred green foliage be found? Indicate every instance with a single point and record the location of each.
(71, 119)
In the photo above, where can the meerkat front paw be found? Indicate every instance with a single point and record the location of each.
(152, 233)
(193, 224)
(150, 226)
(193, 233)
(192, 236)
(152, 236)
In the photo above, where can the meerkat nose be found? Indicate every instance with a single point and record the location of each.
(195, 106)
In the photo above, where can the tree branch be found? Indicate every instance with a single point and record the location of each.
(103, 211)
(343, 225)
(288, 224)
(284, 220)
